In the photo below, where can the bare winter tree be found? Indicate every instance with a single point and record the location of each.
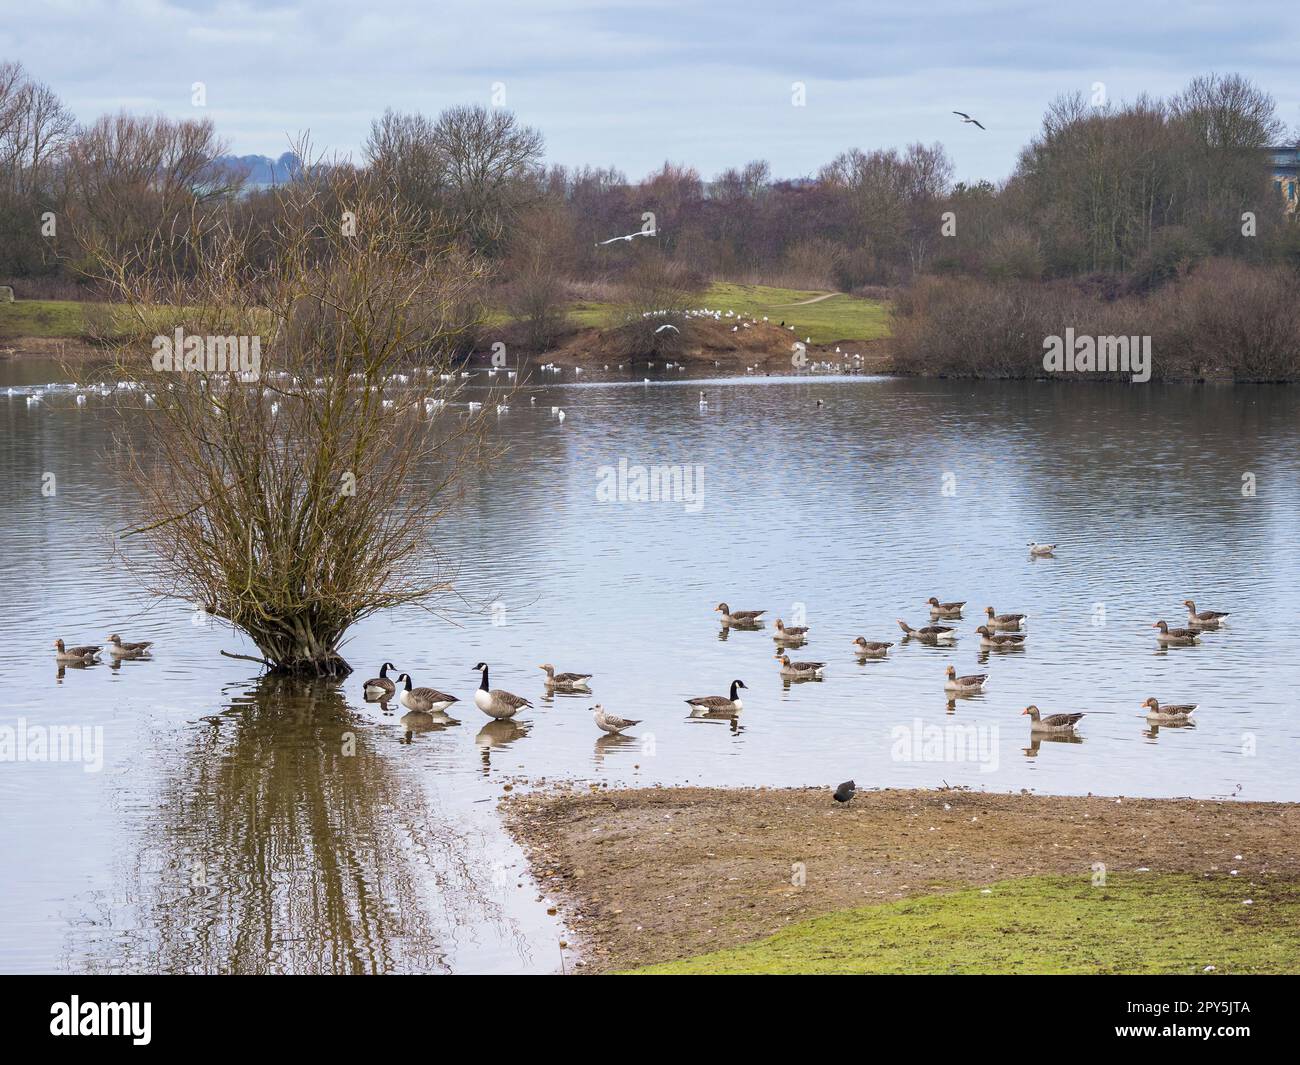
(299, 441)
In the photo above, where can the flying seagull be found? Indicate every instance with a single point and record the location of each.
(629, 237)
(663, 327)
(966, 118)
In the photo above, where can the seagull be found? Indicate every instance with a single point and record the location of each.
(966, 118)
(845, 791)
(611, 723)
(629, 237)
(663, 327)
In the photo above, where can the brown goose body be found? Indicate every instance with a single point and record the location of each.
(929, 633)
(871, 648)
(1051, 723)
(1174, 713)
(1000, 641)
(83, 653)
(1175, 637)
(1204, 619)
(790, 634)
(971, 683)
(738, 617)
(564, 680)
(1011, 622)
(944, 610)
(127, 650)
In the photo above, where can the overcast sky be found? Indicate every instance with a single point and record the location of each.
(704, 82)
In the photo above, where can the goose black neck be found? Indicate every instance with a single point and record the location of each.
(383, 671)
(408, 681)
(733, 691)
(484, 684)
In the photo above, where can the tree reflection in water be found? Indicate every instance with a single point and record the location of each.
(285, 840)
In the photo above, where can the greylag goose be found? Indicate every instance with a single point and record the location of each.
(1051, 723)
(380, 687)
(1000, 641)
(423, 700)
(1175, 637)
(570, 681)
(973, 683)
(738, 617)
(611, 723)
(718, 704)
(1206, 619)
(944, 610)
(793, 634)
(1040, 550)
(1171, 714)
(75, 654)
(127, 650)
(493, 701)
(870, 648)
(929, 633)
(1012, 622)
(800, 669)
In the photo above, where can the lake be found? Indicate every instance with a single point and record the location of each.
(239, 824)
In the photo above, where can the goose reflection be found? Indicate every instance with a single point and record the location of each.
(419, 721)
(1039, 738)
(500, 733)
(282, 833)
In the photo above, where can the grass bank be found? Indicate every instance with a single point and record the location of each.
(1133, 923)
(45, 319)
(654, 875)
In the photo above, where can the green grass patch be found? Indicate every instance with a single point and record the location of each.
(1137, 923)
(841, 317)
(43, 318)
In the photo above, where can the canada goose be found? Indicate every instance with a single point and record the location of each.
(793, 634)
(423, 700)
(380, 687)
(1001, 641)
(1052, 723)
(127, 650)
(1206, 619)
(930, 633)
(1040, 550)
(800, 669)
(565, 680)
(1012, 622)
(611, 723)
(719, 704)
(944, 610)
(75, 654)
(738, 617)
(493, 701)
(870, 648)
(1175, 637)
(1170, 714)
(972, 683)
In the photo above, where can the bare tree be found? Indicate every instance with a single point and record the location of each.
(295, 497)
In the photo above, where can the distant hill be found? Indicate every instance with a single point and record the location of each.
(261, 170)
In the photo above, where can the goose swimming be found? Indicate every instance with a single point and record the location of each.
(84, 653)
(793, 634)
(565, 680)
(1040, 550)
(870, 648)
(800, 669)
(929, 633)
(1170, 714)
(944, 610)
(972, 683)
(1175, 637)
(1005, 621)
(494, 701)
(1001, 641)
(717, 704)
(1051, 723)
(1206, 619)
(127, 650)
(423, 700)
(738, 617)
(380, 687)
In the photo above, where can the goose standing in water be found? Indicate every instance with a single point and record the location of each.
(793, 634)
(611, 723)
(944, 610)
(973, 683)
(84, 654)
(127, 650)
(1012, 622)
(930, 633)
(565, 681)
(493, 701)
(717, 704)
(423, 700)
(740, 618)
(999, 641)
(805, 670)
(865, 648)
(1175, 637)
(1051, 723)
(1206, 619)
(1173, 715)
(380, 687)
